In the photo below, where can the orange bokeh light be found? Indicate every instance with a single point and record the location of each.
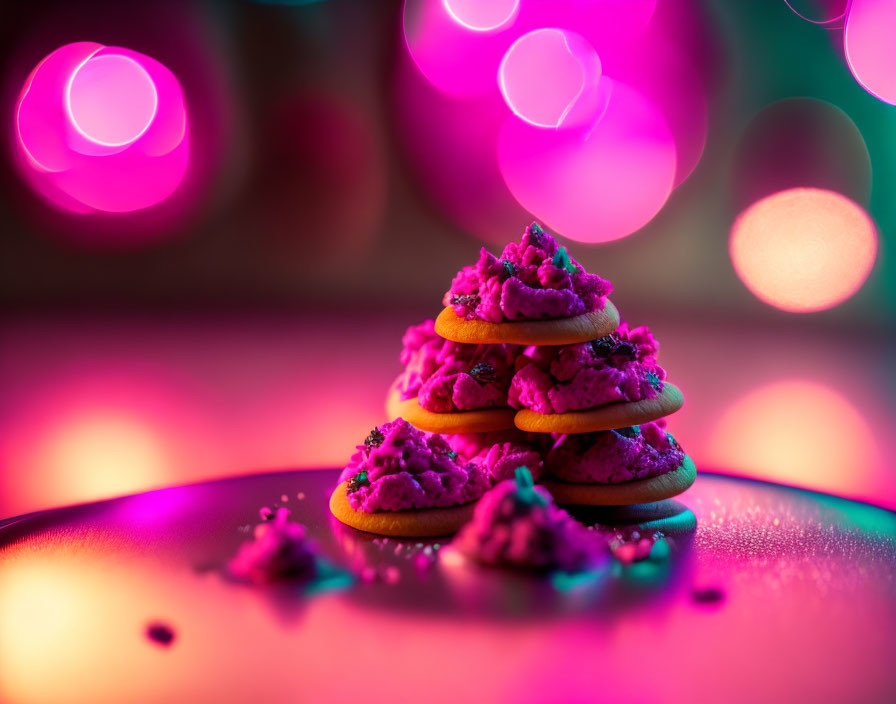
(803, 249)
(799, 433)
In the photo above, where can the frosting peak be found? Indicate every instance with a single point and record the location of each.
(406, 468)
(517, 524)
(621, 366)
(534, 279)
(613, 456)
(450, 376)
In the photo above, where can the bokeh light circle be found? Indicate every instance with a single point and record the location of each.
(482, 15)
(102, 128)
(550, 77)
(803, 249)
(593, 185)
(796, 432)
(95, 105)
(869, 42)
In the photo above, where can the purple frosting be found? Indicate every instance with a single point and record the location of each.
(399, 467)
(532, 280)
(614, 456)
(500, 453)
(518, 525)
(450, 376)
(618, 367)
(279, 551)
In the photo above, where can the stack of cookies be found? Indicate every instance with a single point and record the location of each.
(529, 365)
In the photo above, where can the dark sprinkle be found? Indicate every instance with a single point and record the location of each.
(160, 633)
(452, 454)
(375, 439)
(509, 269)
(654, 381)
(632, 431)
(483, 372)
(467, 301)
(604, 346)
(357, 481)
(626, 349)
(535, 233)
(709, 595)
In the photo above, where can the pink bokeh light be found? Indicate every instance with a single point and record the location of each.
(482, 15)
(596, 185)
(102, 129)
(551, 78)
(868, 41)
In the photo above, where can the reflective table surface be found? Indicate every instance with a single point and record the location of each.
(778, 595)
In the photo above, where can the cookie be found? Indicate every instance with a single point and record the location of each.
(606, 417)
(553, 331)
(669, 516)
(410, 523)
(484, 420)
(640, 491)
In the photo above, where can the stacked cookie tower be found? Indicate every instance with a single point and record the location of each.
(529, 364)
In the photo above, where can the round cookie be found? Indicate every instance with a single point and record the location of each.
(669, 516)
(410, 523)
(639, 491)
(485, 420)
(606, 417)
(553, 331)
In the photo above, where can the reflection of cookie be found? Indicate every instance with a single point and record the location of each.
(606, 417)
(639, 491)
(411, 523)
(669, 516)
(484, 420)
(553, 331)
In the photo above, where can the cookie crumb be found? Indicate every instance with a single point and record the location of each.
(160, 633)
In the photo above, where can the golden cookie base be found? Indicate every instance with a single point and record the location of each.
(485, 420)
(554, 331)
(607, 417)
(639, 491)
(411, 523)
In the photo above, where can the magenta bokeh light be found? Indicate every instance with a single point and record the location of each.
(561, 68)
(869, 41)
(551, 78)
(597, 185)
(482, 15)
(102, 128)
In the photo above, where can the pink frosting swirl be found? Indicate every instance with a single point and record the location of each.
(399, 467)
(532, 280)
(517, 524)
(450, 376)
(614, 456)
(618, 367)
(279, 551)
(500, 453)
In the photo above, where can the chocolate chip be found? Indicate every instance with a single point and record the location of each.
(375, 439)
(535, 233)
(632, 431)
(604, 346)
(467, 301)
(625, 349)
(509, 269)
(483, 372)
(357, 481)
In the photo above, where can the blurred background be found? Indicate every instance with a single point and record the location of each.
(219, 217)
